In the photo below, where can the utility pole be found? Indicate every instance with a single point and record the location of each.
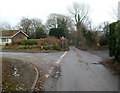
(119, 11)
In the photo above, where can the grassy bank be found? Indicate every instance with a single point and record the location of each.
(22, 80)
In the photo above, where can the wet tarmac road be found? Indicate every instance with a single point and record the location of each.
(81, 71)
(78, 70)
(43, 61)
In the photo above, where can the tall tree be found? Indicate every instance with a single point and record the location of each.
(29, 26)
(54, 20)
(40, 33)
(62, 24)
(25, 24)
(57, 32)
(59, 21)
(80, 14)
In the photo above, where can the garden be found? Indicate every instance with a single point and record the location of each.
(51, 44)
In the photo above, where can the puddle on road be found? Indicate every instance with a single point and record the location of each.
(56, 72)
(51, 83)
(97, 63)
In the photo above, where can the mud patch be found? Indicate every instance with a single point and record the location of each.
(17, 75)
(112, 65)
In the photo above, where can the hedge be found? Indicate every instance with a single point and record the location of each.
(29, 42)
(114, 40)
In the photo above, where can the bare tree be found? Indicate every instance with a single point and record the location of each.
(36, 23)
(54, 20)
(80, 15)
(5, 26)
(24, 25)
(29, 25)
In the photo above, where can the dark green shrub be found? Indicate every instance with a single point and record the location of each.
(90, 38)
(29, 42)
(56, 48)
(103, 41)
(47, 47)
(57, 32)
(114, 40)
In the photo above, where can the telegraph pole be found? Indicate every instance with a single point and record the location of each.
(119, 11)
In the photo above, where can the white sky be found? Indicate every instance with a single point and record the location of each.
(12, 11)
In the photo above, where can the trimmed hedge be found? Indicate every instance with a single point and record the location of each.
(29, 42)
(114, 40)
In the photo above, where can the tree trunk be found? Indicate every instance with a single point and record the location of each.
(81, 41)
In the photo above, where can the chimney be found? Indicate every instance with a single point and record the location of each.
(119, 11)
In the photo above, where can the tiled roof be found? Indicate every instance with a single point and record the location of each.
(9, 33)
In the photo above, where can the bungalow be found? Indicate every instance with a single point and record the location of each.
(12, 36)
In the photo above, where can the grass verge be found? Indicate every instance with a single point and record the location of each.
(112, 64)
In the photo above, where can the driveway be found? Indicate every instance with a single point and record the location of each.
(81, 71)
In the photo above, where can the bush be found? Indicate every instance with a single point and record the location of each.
(24, 47)
(52, 40)
(103, 41)
(114, 40)
(29, 42)
(91, 37)
(47, 47)
(41, 41)
(40, 47)
(56, 48)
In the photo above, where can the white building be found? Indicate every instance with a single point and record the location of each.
(12, 36)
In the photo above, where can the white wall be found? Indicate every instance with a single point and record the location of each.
(3, 43)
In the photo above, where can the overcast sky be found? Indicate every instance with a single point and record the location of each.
(12, 11)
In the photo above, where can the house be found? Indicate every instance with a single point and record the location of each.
(12, 36)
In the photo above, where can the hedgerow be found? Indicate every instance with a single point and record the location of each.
(114, 40)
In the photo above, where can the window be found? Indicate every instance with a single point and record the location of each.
(4, 40)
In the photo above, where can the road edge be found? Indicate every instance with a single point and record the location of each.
(57, 64)
(37, 75)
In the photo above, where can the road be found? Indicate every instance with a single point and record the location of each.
(81, 71)
(43, 61)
